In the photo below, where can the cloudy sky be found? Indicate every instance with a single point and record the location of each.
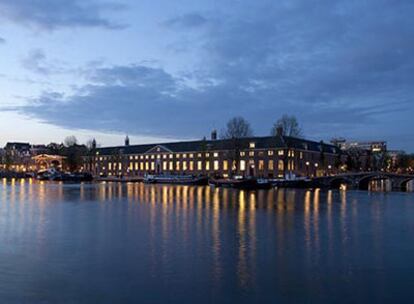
(164, 70)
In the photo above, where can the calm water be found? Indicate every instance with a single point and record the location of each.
(135, 243)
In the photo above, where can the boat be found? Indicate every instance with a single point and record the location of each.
(54, 175)
(238, 183)
(175, 179)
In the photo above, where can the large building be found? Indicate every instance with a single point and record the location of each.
(272, 156)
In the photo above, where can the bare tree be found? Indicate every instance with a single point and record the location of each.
(70, 141)
(289, 125)
(237, 127)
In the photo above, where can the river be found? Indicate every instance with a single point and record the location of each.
(136, 243)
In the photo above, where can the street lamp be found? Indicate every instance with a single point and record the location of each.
(307, 169)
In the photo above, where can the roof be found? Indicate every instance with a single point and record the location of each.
(267, 142)
(17, 145)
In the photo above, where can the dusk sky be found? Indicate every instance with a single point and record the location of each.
(167, 70)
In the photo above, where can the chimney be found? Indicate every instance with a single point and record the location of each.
(214, 135)
(279, 131)
(127, 141)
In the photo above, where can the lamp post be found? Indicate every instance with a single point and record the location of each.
(307, 169)
(316, 169)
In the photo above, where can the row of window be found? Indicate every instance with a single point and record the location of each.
(291, 153)
(216, 165)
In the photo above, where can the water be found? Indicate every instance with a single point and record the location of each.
(135, 243)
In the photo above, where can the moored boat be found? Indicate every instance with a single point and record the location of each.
(239, 183)
(176, 179)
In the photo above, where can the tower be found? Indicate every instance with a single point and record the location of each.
(127, 141)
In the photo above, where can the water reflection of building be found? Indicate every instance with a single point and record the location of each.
(273, 156)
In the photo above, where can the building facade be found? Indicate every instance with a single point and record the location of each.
(271, 157)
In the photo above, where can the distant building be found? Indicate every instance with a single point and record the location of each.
(373, 146)
(272, 156)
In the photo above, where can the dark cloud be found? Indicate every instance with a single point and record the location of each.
(344, 68)
(52, 14)
(191, 20)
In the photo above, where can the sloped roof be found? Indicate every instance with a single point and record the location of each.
(267, 142)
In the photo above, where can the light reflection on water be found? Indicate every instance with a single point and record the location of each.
(112, 242)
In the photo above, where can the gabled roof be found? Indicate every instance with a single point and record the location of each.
(267, 142)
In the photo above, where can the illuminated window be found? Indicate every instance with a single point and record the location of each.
(242, 165)
(184, 155)
(191, 166)
(199, 165)
(251, 153)
(280, 152)
(301, 155)
(199, 155)
(131, 157)
(207, 154)
(152, 156)
(177, 155)
(171, 156)
(261, 165)
(171, 166)
(242, 153)
(270, 152)
(152, 166)
(141, 166)
(110, 166)
(141, 157)
(119, 166)
(225, 165)
(146, 156)
(164, 156)
(164, 166)
(177, 166)
(184, 165)
(280, 165)
(216, 165)
(136, 156)
(131, 166)
(158, 156)
(207, 165)
(191, 155)
(136, 166)
(252, 145)
(146, 166)
(215, 154)
(270, 165)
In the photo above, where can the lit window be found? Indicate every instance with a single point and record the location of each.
(281, 165)
(280, 152)
(251, 153)
(136, 166)
(191, 165)
(141, 166)
(152, 156)
(146, 156)
(164, 156)
(270, 165)
(252, 145)
(141, 157)
(270, 152)
(136, 156)
(242, 153)
(177, 166)
(225, 165)
(177, 155)
(184, 155)
(119, 166)
(171, 166)
(164, 166)
(131, 166)
(191, 155)
(171, 156)
(216, 165)
(242, 165)
(199, 155)
(215, 154)
(131, 157)
(110, 166)
(152, 166)
(184, 165)
(199, 165)
(146, 166)
(207, 154)
(158, 156)
(301, 155)
(207, 165)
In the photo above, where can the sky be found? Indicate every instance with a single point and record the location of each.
(164, 70)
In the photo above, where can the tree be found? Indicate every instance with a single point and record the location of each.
(70, 141)
(289, 126)
(237, 127)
